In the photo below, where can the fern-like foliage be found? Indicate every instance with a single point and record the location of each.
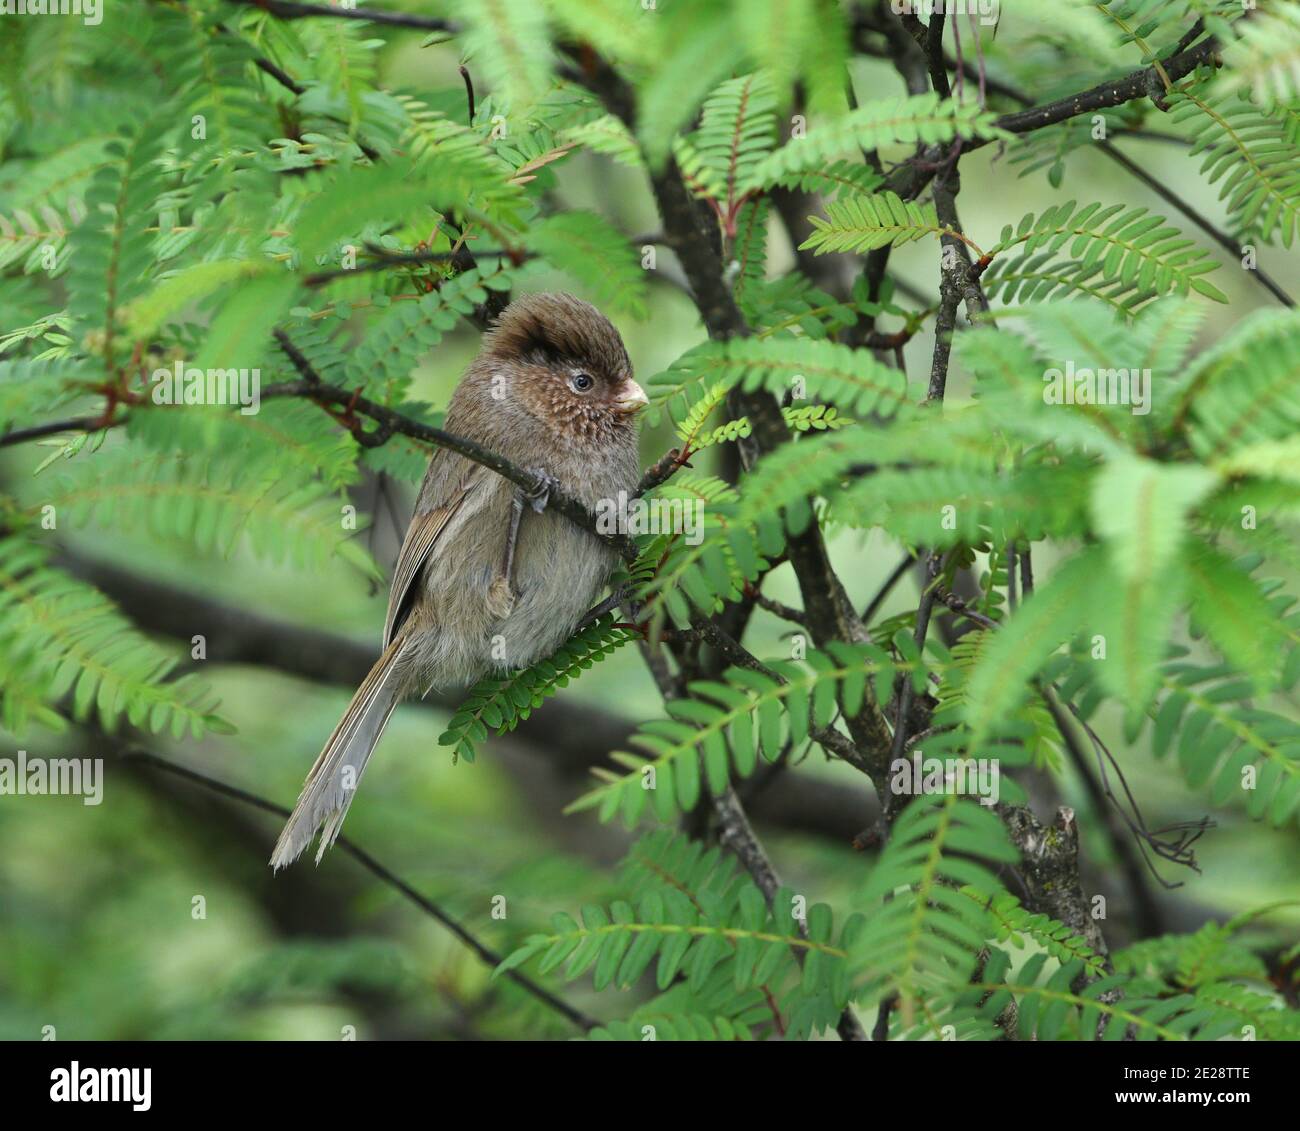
(1049, 148)
(1056, 1002)
(651, 1026)
(815, 418)
(837, 177)
(60, 639)
(1031, 722)
(38, 240)
(1224, 743)
(1213, 953)
(695, 436)
(227, 120)
(1266, 54)
(690, 427)
(1148, 23)
(1116, 245)
(623, 941)
(1042, 277)
(738, 962)
(408, 329)
(1236, 393)
(741, 533)
(216, 505)
(29, 388)
(501, 705)
(590, 249)
(726, 723)
(343, 58)
(1021, 928)
(1050, 1004)
(283, 443)
(737, 131)
(903, 121)
(510, 42)
(110, 258)
(851, 379)
(1246, 154)
(606, 135)
(863, 223)
(924, 930)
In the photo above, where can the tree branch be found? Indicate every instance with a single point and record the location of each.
(1221, 237)
(1137, 84)
(480, 949)
(383, 259)
(567, 738)
(1050, 865)
(390, 422)
(53, 428)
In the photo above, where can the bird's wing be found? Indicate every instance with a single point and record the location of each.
(421, 536)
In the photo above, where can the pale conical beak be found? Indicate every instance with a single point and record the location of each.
(631, 398)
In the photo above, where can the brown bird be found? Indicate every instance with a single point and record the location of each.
(481, 585)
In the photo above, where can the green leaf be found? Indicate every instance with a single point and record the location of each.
(860, 224)
(1140, 508)
(592, 250)
(1052, 615)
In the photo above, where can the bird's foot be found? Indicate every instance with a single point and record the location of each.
(608, 605)
(538, 497)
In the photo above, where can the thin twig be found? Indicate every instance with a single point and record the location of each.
(54, 427)
(1138, 84)
(280, 76)
(390, 422)
(1221, 237)
(383, 259)
(490, 957)
(777, 609)
(469, 91)
(1106, 805)
(895, 576)
(663, 469)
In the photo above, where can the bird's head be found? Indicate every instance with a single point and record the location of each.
(562, 363)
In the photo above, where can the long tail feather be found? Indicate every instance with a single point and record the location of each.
(333, 780)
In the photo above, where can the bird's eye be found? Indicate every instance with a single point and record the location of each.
(582, 382)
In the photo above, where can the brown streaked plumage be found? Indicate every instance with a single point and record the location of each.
(482, 582)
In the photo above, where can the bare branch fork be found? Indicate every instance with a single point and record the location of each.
(1216, 233)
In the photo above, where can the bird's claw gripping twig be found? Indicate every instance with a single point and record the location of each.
(538, 496)
(608, 605)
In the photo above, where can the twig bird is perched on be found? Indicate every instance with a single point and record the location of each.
(480, 583)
